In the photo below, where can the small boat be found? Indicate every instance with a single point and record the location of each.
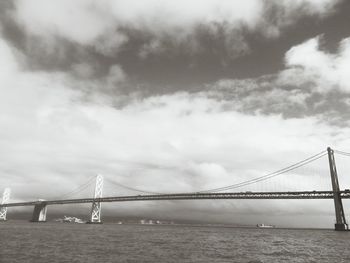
(70, 219)
(265, 226)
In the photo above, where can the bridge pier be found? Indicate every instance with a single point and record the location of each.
(39, 213)
(341, 227)
(340, 224)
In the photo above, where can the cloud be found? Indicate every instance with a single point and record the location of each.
(186, 139)
(80, 21)
(281, 14)
(326, 70)
(314, 82)
(108, 25)
(159, 52)
(183, 142)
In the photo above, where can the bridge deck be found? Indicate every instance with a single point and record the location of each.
(192, 196)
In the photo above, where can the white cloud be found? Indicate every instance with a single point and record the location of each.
(328, 71)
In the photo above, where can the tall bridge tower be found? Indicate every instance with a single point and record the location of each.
(5, 200)
(340, 224)
(95, 217)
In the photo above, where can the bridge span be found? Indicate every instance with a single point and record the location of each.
(40, 206)
(191, 196)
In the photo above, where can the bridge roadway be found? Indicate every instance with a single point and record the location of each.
(191, 196)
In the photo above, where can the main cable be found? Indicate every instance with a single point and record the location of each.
(342, 153)
(131, 188)
(76, 190)
(268, 176)
(244, 183)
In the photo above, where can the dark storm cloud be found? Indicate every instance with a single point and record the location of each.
(315, 82)
(267, 96)
(166, 56)
(134, 60)
(56, 54)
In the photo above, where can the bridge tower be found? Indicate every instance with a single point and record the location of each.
(340, 224)
(95, 216)
(5, 200)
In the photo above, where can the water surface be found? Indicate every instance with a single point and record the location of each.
(59, 242)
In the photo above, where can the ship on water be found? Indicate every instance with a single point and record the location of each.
(265, 226)
(70, 219)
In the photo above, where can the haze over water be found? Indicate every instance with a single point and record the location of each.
(22, 241)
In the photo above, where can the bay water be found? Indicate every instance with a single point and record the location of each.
(22, 241)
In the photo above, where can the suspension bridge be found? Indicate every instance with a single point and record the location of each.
(225, 192)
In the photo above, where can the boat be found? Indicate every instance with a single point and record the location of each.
(70, 219)
(265, 226)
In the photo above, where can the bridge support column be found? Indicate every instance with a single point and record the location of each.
(5, 200)
(95, 216)
(340, 224)
(39, 213)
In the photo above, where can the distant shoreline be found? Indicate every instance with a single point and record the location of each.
(177, 225)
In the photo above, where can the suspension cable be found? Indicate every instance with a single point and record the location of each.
(268, 176)
(244, 183)
(342, 153)
(131, 188)
(77, 190)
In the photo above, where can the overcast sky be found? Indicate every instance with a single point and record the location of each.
(173, 96)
